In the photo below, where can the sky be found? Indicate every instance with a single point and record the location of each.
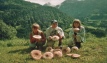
(52, 3)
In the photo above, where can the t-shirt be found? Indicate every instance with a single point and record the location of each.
(54, 31)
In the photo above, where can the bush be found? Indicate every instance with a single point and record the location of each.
(98, 32)
(6, 31)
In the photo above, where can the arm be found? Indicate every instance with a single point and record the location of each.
(48, 31)
(43, 37)
(71, 37)
(61, 33)
(32, 40)
(82, 33)
(71, 33)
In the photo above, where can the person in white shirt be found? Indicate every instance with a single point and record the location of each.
(54, 30)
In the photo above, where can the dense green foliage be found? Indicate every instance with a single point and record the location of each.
(96, 31)
(6, 31)
(21, 15)
(91, 12)
(17, 16)
(96, 9)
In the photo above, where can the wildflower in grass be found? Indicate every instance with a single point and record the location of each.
(66, 50)
(48, 55)
(36, 54)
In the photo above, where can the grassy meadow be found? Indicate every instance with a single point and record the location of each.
(94, 50)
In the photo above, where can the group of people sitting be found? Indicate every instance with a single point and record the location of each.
(55, 33)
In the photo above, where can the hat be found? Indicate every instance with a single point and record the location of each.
(53, 21)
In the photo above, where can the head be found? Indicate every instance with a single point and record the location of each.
(54, 23)
(76, 23)
(35, 27)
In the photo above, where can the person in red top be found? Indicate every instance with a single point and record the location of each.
(37, 37)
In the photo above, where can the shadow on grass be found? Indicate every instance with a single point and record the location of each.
(21, 51)
(24, 51)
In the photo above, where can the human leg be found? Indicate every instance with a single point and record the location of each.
(60, 41)
(78, 44)
(32, 46)
(50, 43)
(40, 45)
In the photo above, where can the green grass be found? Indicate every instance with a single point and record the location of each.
(94, 50)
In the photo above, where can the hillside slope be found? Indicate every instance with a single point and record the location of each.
(84, 8)
(21, 14)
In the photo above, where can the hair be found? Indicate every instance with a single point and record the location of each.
(76, 21)
(36, 25)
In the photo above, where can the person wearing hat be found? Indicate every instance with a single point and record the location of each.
(54, 30)
(37, 37)
(76, 34)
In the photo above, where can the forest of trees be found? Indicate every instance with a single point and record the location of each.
(92, 12)
(20, 15)
(17, 16)
(85, 8)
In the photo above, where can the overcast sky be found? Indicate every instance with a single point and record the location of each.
(50, 2)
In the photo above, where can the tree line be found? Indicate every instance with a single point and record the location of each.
(18, 16)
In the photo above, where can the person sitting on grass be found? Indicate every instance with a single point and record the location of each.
(37, 37)
(54, 31)
(76, 34)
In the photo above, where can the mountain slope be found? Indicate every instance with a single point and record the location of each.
(21, 15)
(93, 13)
(84, 8)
